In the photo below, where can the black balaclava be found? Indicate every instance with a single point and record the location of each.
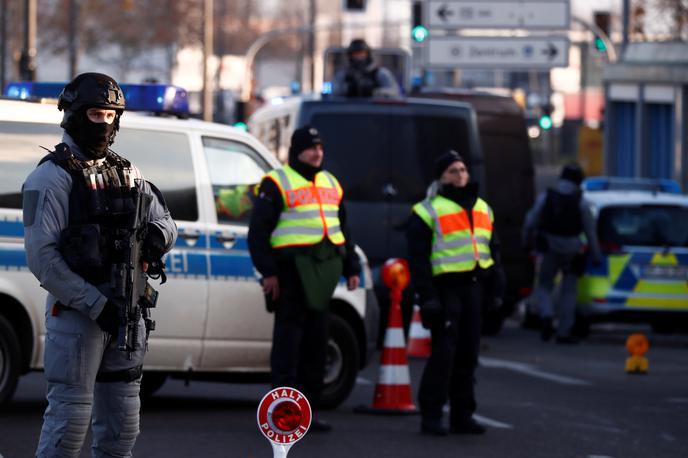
(92, 138)
(304, 138)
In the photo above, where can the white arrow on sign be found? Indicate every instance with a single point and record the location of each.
(526, 14)
(498, 52)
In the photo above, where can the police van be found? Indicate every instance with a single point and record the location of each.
(211, 317)
(642, 226)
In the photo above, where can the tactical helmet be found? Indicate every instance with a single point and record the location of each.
(356, 45)
(572, 172)
(91, 90)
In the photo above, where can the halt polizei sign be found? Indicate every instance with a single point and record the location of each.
(284, 416)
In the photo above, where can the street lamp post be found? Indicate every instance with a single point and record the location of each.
(27, 64)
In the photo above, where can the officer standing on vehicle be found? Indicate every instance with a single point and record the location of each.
(363, 77)
(299, 242)
(79, 205)
(451, 246)
(554, 226)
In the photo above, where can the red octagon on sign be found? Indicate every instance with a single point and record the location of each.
(284, 415)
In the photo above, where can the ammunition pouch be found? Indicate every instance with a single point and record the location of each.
(85, 251)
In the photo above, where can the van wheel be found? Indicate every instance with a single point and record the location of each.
(10, 361)
(151, 382)
(581, 328)
(341, 365)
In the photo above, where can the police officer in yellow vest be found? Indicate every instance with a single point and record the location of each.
(300, 243)
(451, 247)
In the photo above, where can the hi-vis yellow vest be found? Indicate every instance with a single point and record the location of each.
(311, 209)
(456, 247)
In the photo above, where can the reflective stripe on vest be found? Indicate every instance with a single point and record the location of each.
(456, 246)
(311, 209)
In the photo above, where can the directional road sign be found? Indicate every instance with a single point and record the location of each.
(497, 52)
(526, 14)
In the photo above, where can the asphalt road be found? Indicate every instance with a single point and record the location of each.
(537, 400)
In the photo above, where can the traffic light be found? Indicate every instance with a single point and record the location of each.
(418, 31)
(602, 21)
(545, 121)
(354, 5)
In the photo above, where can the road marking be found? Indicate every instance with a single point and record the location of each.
(484, 420)
(678, 400)
(492, 423)
(359, 380)
(530, 370)
(599, 456)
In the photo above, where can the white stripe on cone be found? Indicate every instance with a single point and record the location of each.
(394, 374)
(394, 338)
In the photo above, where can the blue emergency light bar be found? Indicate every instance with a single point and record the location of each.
(151, 97)
(631, 184)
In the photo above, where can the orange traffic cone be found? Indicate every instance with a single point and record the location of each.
(419, 337)
(393, 389)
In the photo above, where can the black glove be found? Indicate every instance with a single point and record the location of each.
(154, 245)
(431, 313)
(108, 320)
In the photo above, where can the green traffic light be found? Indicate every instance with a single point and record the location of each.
(419, 33)
(241, 125)
(600, 45)
(545, 122)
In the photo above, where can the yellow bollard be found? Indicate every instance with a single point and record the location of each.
(637, 345)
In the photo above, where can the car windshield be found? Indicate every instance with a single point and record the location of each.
(652, 225)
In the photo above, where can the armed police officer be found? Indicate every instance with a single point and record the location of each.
(554, 226)
(451, 247)
(300, 243)
(363, 77)
(92, 227)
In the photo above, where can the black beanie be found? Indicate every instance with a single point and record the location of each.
(303, 138)
(445, 160)
(572, 172)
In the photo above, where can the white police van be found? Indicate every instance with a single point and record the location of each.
(211, 317)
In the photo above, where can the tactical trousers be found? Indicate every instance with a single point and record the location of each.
(450, 369)
(76, 350)
(551, 264)
(299, 341)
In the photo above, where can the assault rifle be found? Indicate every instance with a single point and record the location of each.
(130, 288)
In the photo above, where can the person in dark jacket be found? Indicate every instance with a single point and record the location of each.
(555, 224)
(363, 77)
(300, 243)
(451, 248)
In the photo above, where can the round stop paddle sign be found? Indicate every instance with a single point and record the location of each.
(284, 416)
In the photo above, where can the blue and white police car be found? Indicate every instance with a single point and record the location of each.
(211, 317)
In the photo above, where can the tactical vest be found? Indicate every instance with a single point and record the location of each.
(311, 209)
(457, 246)
(101, 202)
(561, 214)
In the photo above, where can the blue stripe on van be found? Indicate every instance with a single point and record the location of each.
(14, 257)
(11, 229)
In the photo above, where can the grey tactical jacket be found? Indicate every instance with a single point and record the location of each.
(46, 214)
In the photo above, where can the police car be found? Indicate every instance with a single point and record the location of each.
(211, 316)
(642, 226)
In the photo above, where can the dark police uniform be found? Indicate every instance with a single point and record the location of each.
(298, 233)
(451, 247)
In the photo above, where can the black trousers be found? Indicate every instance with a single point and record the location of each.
(299, 341)
(450, 370)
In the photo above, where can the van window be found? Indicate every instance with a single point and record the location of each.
(373, 152)
(235, 169)
(164, 158)
(19, 155)
(655, 225)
